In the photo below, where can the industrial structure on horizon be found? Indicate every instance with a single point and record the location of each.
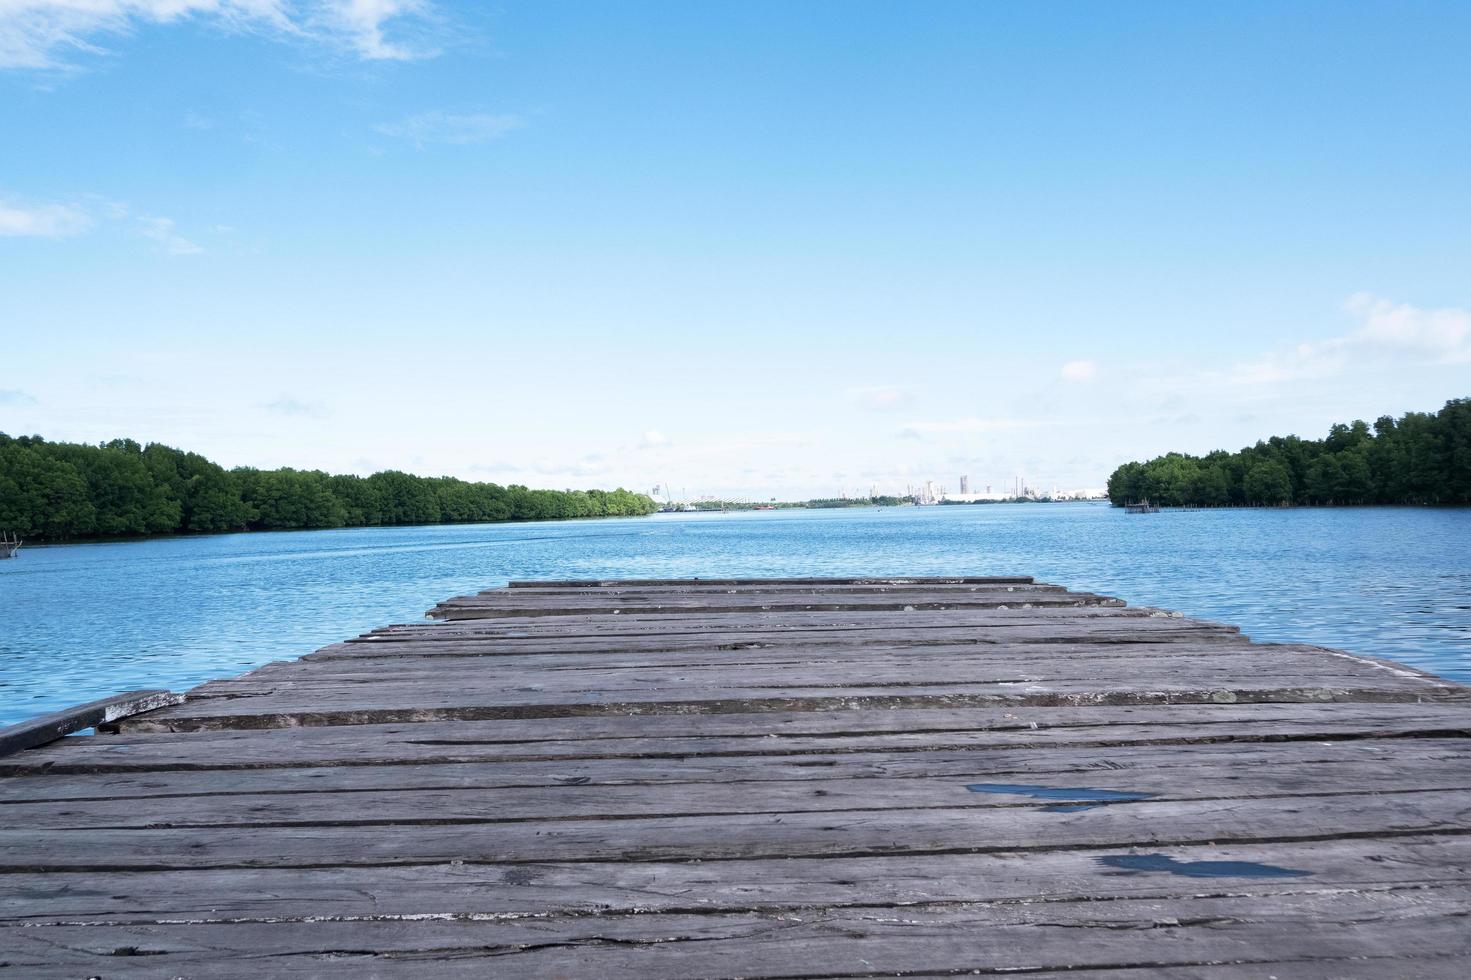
(924, 494)
(928, 493)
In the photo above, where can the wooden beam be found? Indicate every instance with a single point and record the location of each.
(48, 728)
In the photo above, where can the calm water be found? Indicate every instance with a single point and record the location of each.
(84, 621)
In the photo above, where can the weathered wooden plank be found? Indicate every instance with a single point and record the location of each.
(255, 894)
(740, 600)
(1090, 731)
(49, 727)
(958, 619)
(1082, 631)
(579, 584)
(905, 625)
(748, 836)
(220, 713)
(471, 766)
(267, 703)
(616, 594)
(613, 671)
(774, 598)
(651, 649)
(1226, 721)
(440, 657)
(1084, 787)
(474, 608)
(816, 943)
(1284, 666)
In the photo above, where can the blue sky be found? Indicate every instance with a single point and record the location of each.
(743, 248)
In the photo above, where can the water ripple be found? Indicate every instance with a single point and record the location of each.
(84, 621)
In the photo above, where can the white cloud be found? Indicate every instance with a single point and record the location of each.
(361, 23)
(653, 439)
(46, 34)
(61, 220)
(1079, 370)
(1442, 334)
(161, 230)
(14, 396)
(885, 398)
(1387, 330)
(44, 221)
(442, 127)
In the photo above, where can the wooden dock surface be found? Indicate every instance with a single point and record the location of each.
(787, 778)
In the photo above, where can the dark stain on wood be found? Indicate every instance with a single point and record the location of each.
(1198, 869)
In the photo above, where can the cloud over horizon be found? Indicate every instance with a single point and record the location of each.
(1386, 330)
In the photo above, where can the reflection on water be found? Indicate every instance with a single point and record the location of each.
(82, 621)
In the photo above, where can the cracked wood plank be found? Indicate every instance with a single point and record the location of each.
(591, 888)
(723, 837)
(1370, 927)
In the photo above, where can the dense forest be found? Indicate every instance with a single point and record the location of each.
(57, 491)
(1419, 458)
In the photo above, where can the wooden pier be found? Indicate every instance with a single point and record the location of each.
(788, 778)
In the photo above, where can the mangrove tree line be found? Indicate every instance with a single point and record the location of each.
(56, 491)
(1419, 458)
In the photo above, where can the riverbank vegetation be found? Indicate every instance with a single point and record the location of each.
(58, 491)
(1419, 458)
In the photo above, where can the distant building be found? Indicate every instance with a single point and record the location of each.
(964, 485)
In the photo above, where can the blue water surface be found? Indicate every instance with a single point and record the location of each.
(78, 622)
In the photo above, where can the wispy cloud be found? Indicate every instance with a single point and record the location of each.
(653, 439)
(1079, 370)
(1386, 330)
(14, 396)
(50, 34)
(162, 231)
(64, 220)
(363, 25)
(541, 470)
(883, 398)
(451, 128)
(970, 425)
(43, 220)
(294, 408)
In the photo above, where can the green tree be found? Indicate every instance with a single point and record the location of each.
(41, 497)
(56, 491)
(1268, 482)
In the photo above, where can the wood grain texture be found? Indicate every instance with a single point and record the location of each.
(813, 778)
